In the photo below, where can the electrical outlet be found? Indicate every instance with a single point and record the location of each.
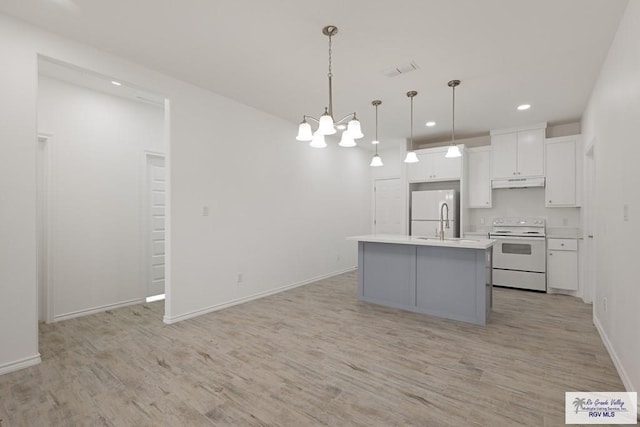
(625, 213)
(205, 211)
(565, 221)
(338, 258)
(239, 278)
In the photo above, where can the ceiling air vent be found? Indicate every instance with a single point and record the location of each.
(401, 69)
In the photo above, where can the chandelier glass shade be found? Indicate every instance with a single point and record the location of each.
(326, 124)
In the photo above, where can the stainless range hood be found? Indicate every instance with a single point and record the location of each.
(517, 182)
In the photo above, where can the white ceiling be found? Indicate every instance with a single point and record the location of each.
(272, 55)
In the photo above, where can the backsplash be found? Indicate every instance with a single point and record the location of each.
(523, 202)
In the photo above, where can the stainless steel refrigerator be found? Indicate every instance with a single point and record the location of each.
(425, 212)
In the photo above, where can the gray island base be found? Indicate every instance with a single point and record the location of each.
(450, 279)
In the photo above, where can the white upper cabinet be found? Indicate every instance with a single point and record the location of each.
(434, 166)
(518, 153)
(564, 171)
(504, 155)
(479, 175)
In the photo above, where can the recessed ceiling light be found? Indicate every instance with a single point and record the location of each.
(430, 124)
(524, 107)
(115, 83)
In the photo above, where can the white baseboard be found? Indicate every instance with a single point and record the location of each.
(19, 364)
(174, 319)
(616, 360)
(99, 309)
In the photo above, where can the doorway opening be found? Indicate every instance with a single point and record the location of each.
(96, 212)
(154, 226)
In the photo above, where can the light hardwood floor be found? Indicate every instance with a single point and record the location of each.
(313, 355)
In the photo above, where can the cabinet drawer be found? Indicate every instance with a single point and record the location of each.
(562, 244)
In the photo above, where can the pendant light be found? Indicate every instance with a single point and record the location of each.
(453, 150)
(411, 155)
(326, 123)
(376, 161)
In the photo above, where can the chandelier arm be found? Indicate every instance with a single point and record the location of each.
(342, 120)
(311, 118)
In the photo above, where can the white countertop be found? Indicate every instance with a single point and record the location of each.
(401, 239)
(564, 233)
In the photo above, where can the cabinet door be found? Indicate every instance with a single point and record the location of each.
(421, 171)
(503, 155)
(561, 174)
(531, 153)
(562, 270)
(479, 166)
(446, 168)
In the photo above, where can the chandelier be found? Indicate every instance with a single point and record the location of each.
(326, 124)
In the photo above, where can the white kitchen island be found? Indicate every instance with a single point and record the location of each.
(448, 278)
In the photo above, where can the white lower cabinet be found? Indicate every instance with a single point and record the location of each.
(562, 264)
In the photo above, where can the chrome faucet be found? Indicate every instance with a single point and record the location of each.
(443, 222)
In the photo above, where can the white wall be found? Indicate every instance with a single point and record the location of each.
(611, 119)
(96, 169)
(279, 210)
(18, 316)
(392, 159)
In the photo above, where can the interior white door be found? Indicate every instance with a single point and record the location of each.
(388, 206)
(156, 229)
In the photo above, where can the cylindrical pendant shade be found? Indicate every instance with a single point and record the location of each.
(453, 152)
(318, 141)
(411, 157)
(346, 140)
(326, 125)
(304, 132)
(376, 161)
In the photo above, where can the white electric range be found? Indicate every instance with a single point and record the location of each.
(519, 255)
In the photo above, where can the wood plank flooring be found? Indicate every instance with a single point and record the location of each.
(313, 355)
